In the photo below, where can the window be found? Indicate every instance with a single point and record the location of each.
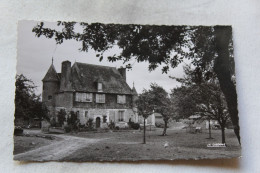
(88, 97)
(120, 115)
(99, 87)
(121, 99)
(83, 97)
(100, 98)
(104, 118)
(49, 97)
(86, 114)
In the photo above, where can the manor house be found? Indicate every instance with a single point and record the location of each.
(91, 91)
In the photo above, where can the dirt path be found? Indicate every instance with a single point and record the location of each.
(57, 150)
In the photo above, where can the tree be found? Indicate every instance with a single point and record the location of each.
(145, 108)
(207, 98)
(156, 99)
(162, 102)
(183, 105)
(160, 45)
(27, 103)
(215, 108)
(166, 112)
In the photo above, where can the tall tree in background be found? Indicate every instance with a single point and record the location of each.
(160, 45)
(156, 99)
(205, 95)
(27, 103)
(162, 103)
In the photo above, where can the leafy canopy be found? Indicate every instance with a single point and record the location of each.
(27, 103)
(157, 45)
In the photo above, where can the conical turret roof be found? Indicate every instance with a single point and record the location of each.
(134, 92)
(51, 75)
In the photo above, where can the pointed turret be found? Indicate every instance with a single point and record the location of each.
(134, 90)
(51, 75)
(51, 82)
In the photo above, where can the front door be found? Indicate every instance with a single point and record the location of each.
(97, 122)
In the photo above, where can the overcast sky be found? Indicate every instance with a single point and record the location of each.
(34, 58)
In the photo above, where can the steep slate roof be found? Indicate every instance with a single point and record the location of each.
(51, 75)
(85, 78)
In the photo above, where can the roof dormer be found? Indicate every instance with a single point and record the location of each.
(99, 85)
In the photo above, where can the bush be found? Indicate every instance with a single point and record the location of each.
(159, 124)
(133, 125)
(18, 131)
(53, 122)
(111, 125)
(73, 121)
(61, 117)
(67, 129)
(90, 124)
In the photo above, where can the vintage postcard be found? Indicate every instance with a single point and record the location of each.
(113, 92)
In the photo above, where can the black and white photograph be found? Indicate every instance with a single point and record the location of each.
(124, 92)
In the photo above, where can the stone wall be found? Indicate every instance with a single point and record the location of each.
(64, 99)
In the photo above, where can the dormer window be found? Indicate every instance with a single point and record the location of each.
(99, 87)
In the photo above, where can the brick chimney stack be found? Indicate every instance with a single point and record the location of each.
(65, 84)
(122, 71)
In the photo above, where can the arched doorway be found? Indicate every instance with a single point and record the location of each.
(97, 122)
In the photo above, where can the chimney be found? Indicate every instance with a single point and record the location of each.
(65, 84)
(122, 71)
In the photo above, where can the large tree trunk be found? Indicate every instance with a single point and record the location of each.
(144, 132)
(222, 69)
(223, 134)
(209, 130)
(165, 128)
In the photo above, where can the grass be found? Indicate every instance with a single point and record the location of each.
(23, 143)
(128, 145)
(27, 143)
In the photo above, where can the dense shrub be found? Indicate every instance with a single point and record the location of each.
(53, 122)
(133, 125)
(90, 124)
(67, 129)
(159, 124)
(111, 125)
(73, 121)
(61, 117)
(18, 131)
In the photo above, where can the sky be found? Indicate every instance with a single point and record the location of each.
(34, 56)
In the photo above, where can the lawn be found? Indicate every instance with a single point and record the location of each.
(26, 143)
(128, 146)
